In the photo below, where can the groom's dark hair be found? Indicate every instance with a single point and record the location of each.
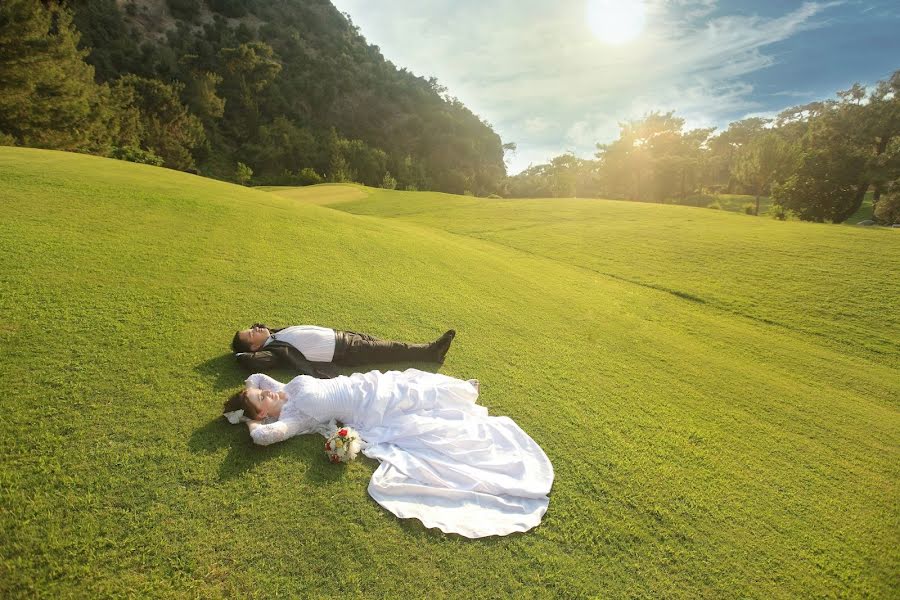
(238, 345)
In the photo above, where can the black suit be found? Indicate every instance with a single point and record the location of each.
(350, 349)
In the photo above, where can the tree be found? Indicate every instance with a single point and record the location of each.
(848, 146)
(281, 146)
(823, 187)
(243, 173)
(367, 164)
(48, 97)
(249, 69)
(184, 9)
(166, 126)
(883, 119)
(692, 159)
(724, 147)
(652, 158)
(308, 176)
(888, 210)
(201, 98)
(388, 182)
(764, 160)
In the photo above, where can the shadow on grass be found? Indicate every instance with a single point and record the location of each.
(223, 371)
(244, 456)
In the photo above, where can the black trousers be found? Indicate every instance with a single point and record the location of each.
(352, 349)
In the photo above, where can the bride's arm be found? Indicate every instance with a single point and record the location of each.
(275, 432)
(263, 382)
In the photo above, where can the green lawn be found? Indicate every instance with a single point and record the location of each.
(738, 202)
(864, 213)
(728, 202)
(737, 378)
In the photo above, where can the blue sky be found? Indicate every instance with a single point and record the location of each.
(539, 74)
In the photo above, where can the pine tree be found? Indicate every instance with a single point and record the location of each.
(48, 97)
(165, 126)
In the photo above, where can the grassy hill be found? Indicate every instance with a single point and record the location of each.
(738, 202)
(718, 393)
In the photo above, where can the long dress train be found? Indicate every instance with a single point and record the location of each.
(444, 460)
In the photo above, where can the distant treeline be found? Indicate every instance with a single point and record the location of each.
(816, 161)
(250, 90)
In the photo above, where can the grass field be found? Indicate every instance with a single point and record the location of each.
(738, 202)
(738, 379)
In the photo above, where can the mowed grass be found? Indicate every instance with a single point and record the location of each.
(699, 451)
(836, 284)
(739, 202)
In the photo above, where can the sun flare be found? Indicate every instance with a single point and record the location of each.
(616, 21)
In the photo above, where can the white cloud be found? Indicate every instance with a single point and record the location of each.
(584, 134)
(534, 70)
(536, 125)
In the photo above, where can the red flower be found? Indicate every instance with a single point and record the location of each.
(328, 445)
(342, 433)
(335, 459)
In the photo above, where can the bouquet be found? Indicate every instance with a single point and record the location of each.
(343, 445)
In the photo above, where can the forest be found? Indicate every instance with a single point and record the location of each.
(259, 91)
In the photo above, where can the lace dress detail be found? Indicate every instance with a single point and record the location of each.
(292, 420)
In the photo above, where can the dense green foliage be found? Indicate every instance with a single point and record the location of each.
(817, 161)
(290, 89)
(47, 92)
(888, 210)
(718, 393)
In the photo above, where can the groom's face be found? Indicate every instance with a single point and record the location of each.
(254, 337)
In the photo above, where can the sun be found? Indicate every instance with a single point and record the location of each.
(616, 21)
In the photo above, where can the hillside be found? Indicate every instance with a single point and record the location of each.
(287, 85)
(719, 426)
(778, 274)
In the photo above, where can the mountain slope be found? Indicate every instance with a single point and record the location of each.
(289, 72)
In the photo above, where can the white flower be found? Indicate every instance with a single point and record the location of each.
(350, 444)
(234, 417)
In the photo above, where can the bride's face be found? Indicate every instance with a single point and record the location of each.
(267, 402)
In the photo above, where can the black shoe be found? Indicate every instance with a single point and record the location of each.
(442, 345)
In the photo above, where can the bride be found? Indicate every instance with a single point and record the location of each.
(444, 461)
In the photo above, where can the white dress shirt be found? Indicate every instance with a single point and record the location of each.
(316, 343)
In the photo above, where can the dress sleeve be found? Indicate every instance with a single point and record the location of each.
(263, 382)
(277, 431)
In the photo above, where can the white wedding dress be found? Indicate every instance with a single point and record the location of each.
(444, 461)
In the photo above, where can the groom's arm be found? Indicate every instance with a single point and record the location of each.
(284, 356)
(257, 362)
(295, 359)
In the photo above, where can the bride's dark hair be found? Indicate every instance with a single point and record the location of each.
(240, 401)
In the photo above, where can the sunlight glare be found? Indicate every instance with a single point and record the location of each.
(616, 21)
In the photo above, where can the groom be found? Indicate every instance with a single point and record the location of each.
(315, 351)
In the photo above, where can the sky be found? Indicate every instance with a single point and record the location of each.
(559, 76)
